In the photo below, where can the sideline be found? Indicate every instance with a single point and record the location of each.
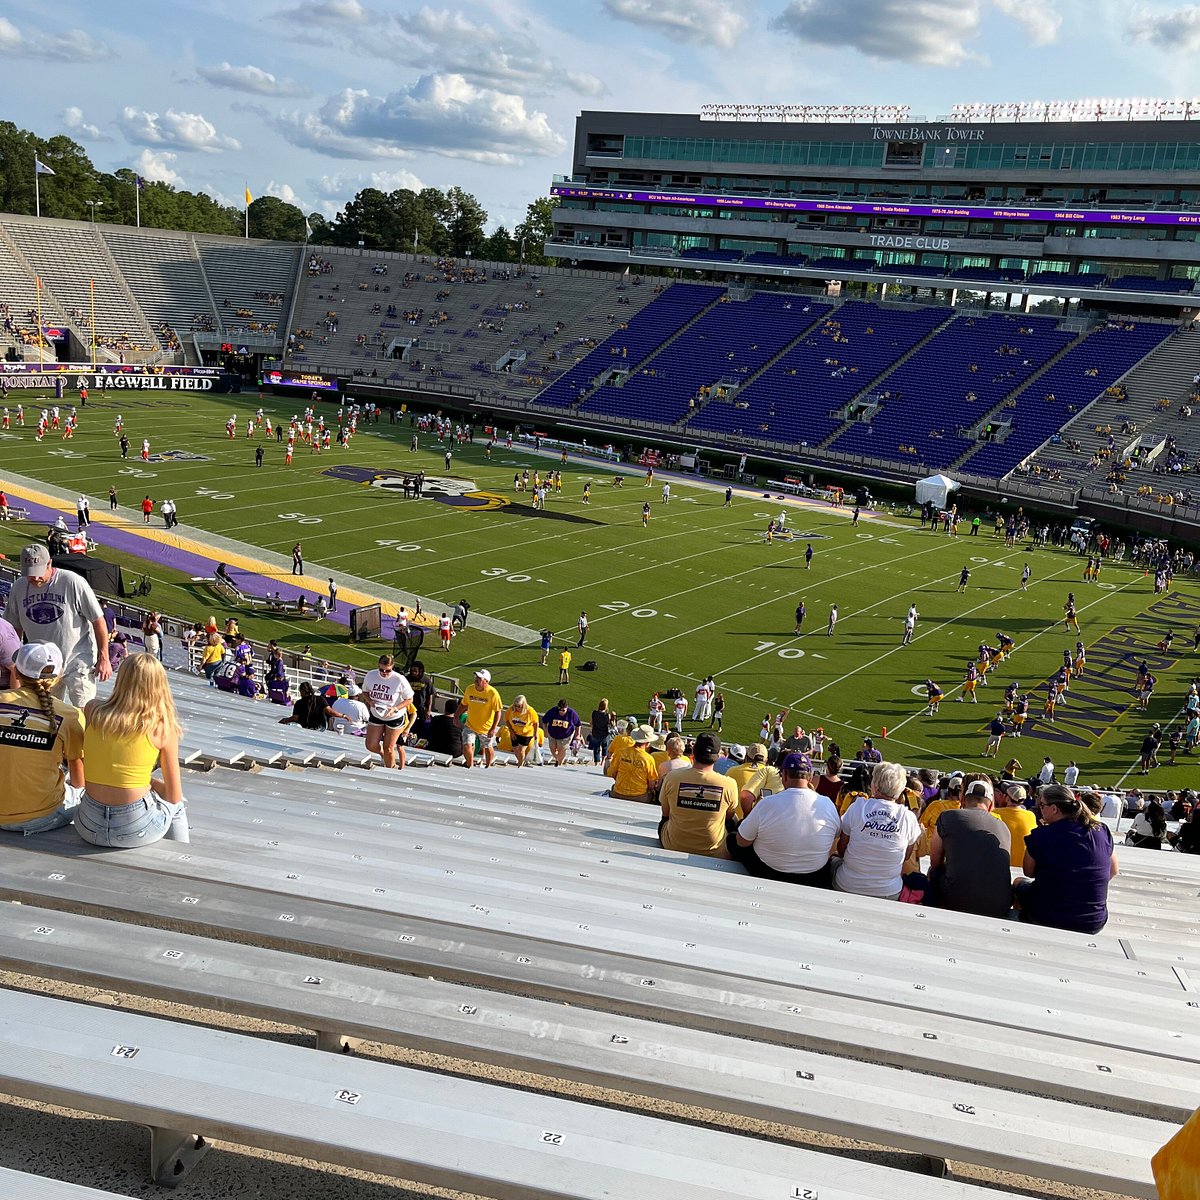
(263, 569)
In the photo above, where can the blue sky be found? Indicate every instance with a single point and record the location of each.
(312, 100)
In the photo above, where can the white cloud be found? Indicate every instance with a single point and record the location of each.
(1178, 30)
(333, 191)
(72, 45)
(442, 114)
(445, 42)
(178, 130)
(326, 12)
(73, 121)
(584, 84)
(250, 79)
(697, 22)
(1040, 19)
(930, 33)
(286, 193)
(157, 168)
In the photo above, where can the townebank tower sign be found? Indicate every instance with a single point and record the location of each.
(926, 133)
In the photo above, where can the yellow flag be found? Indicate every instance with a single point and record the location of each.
(249, 198)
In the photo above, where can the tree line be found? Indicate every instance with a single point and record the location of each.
(430, 221)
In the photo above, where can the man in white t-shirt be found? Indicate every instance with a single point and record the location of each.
(347, 715)
(789, 835)
(50, 605)
(389, 700)
(878, 832)
(1046, 774)
(1071, 775)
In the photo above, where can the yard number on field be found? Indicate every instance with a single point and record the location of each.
(623, 606)
(789, 652)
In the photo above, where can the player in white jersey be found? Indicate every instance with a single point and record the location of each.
(258, 417)
(20, 414)
(145, 449)
(118, 426)
(231, 427)
(54, 417)
(445, 631)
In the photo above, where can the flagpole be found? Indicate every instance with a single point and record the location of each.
(247, 231)
(37, 191)
(93, 282)
(137, 200)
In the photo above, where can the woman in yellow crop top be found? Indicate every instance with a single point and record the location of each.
(124, 738)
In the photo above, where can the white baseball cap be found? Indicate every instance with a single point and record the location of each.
(484, 674)
(39, 660)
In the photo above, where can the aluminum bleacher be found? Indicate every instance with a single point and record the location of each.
(163, 272)
(528, 924)
(69, 257)
(242, 274)
(463, 318)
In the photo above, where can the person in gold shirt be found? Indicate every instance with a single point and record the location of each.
(521, 721)
(482, 705)
(37, 735)
(754, 779)
(620, 743)
(934, 809)
(632, 770)
(1010, 808)
(697, 804)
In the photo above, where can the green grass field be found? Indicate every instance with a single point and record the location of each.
(696, 592)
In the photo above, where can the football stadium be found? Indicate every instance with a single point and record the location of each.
(813, 510)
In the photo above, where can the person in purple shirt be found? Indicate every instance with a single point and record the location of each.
(247, 685)
(10, 643)
(560, 724)
(1069, 861)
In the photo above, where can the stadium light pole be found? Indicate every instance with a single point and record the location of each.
(93, 205)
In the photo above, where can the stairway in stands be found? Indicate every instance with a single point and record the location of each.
(1165, 374)
(880, 381)
(994, 412)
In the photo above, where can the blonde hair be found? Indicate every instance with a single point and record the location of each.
(140, 703)
(519, 705)
(41, 688)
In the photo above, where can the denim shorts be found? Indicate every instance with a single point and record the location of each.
(123, 825)
(57, 819)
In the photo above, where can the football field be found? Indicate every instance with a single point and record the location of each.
(696, 591)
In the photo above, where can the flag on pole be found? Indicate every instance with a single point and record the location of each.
(141, 183)
(40, 168)
(249, 198)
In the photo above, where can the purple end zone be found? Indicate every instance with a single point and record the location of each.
(250, 582)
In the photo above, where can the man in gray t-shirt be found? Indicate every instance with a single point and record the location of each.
(50, 605)
(969, 857)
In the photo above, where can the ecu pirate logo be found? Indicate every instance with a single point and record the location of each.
(445, 489)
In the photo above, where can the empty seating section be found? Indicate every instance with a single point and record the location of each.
(164, 275)
(951, 382)
(463, 318)
(19, 292)
(640, 336)
(1048, 403)
(732, 340)
(69, 258)
(251, 283)
(834, 361)
(1143, 283)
